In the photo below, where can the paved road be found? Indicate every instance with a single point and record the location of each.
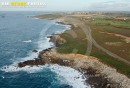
(91, 40)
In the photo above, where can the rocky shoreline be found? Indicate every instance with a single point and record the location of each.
(97, 74)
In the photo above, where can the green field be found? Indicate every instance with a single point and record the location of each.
(79, 45)
(110, 21)
(100, 23)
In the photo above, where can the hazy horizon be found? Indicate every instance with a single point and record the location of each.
(78, 5)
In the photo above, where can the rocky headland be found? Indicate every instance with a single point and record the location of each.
(57, 40)
(97, 74)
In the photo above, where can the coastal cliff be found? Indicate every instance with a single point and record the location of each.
(97, 74)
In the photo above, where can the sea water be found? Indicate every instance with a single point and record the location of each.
(19, 35)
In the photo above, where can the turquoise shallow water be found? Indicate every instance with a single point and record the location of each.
(19, 35)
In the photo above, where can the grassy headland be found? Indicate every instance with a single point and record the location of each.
(80, 45)
(98, 24)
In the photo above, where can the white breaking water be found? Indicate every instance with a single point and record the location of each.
(28, 41)
(71, 76)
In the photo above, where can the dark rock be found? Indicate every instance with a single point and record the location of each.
(31, 63)
(35, 51)
(91, 75)
(65, 86)
(40, 55)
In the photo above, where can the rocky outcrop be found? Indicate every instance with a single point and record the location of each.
(98, 74)
(49, 57)
(32, 62)
(40, 60)
(103, 74)
(57, 40)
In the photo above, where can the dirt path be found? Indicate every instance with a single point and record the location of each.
(125, 38)
(91, 40)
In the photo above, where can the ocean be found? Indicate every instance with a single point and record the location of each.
(19, 35)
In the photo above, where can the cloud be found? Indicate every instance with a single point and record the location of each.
(110, 5)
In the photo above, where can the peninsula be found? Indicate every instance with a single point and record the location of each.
(89, 47)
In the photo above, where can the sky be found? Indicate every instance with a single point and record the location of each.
(75, 5)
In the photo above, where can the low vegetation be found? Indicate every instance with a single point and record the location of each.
(79, 45)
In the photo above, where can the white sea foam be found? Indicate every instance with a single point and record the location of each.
(28, 41)
(30, 56)
(43, 42)
(70, 75)
(36, 18)
(28, 69)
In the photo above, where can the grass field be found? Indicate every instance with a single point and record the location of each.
(101, 24)
(79, 45)
(112, 29)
